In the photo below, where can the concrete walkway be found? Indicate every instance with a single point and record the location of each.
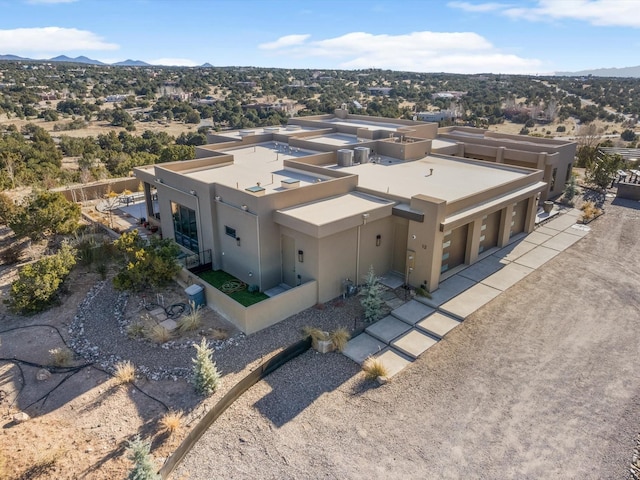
(414, 326)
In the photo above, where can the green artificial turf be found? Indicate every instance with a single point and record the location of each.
(217, 278)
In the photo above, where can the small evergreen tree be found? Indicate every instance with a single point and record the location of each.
(570, 190)
(372, 297)
(143, 468)
(205, 373)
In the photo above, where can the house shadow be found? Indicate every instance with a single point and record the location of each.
(300, 382)
(625, 202)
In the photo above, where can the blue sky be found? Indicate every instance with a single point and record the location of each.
(540, 36)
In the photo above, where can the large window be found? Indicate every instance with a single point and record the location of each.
(185, 227)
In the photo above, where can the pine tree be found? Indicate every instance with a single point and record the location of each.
(205, 373)
(139, 453)
(372, 293)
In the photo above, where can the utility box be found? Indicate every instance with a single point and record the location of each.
(196, 296)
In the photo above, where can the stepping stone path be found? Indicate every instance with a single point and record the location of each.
(416, 325)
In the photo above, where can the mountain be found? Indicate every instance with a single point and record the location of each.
(605, 72)
(81, 59)
(206, 65)
(131, 63)
(12, 58)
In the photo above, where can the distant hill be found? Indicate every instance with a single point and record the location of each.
(81, 59)
(207, 65)
(132, 63)
(12, 58)
(604, 72)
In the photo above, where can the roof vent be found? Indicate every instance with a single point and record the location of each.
(289, 183)
(256, 190)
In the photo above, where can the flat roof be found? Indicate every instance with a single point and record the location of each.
(453, 178)
(365, 124)
(331, 215)
(263, 162)
(334, 139)
(239, 134)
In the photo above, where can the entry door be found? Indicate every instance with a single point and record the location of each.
(400, 248)
(288, 261)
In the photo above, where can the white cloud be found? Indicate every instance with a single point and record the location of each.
(622, 13)
(174, 62)
(478, 7)
(455, 52)
(286, 41)
(51, 39)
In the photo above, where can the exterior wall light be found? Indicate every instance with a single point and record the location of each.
(238, 241)
(300, 256)
(378, 240)
(244, 207)
(218, 198)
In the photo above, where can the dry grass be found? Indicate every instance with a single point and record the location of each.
(219, 334)
(339, 338)
(315, 333)
(136, 330)
(191, 321)
(374, 368)
(125, 372)
(61, 357)
(158, 334)
(589, 211)
(171, 421)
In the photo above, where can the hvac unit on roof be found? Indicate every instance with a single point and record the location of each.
(361, 154)
(345, 157)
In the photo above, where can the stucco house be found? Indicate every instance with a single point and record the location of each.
(325, 197)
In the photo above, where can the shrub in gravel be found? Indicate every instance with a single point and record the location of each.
(374, 368)
(315, 333)
(139, 452)
(136, 330)
(171, 421)
(191, 321)
(125, 372)
(339, 338)
(205, 373)
(61, 357)
(159, 334)
(372, 297)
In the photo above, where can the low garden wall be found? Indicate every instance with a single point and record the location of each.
(630, 191)
(259, 315)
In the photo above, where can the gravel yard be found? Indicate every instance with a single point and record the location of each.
(543, 382)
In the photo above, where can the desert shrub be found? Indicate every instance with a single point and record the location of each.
(561, 128)
(145, 264)
(158, 334)
(139, 452)
(219, 334)
(339, 338)
(372, 297)
(589, 211)
(125, 372)
(374, 368)
(315, 333)
(206, 377)
(38, 283)
(44, 214)
(102, 270)
(61, 357)
(570, 190)
(171, 421)
(136, 330)
(191, 321)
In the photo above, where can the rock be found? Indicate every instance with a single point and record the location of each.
(43, 375)
(21, 417)
(383, 380)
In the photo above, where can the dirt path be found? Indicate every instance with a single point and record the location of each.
(543, 382)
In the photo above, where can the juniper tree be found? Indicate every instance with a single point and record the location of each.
(205, 373)
(372, 297)
(139, 453)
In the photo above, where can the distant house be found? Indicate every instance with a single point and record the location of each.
(379, 90)
(115, 98)
(437, 116)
